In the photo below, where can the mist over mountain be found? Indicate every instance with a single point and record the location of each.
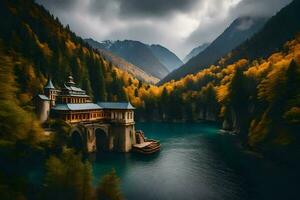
(239, 31)
(283, 26)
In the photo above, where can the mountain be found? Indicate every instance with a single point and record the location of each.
(239, 31)
(166, 57)
(195, 52)
(122, 63)
(137, 53)
(284, 26)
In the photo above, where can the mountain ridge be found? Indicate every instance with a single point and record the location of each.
(166, 57)
(123, 64)
(195, 51)
(237, 32)
(136, 53)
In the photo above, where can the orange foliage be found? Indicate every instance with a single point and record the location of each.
(43, 46)
(267, 72)
(222, 92)
(70, 45)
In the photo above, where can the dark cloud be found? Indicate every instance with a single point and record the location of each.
(58, 4)
(154, 8)
(262, 8)
(178, 24)
(104, 8)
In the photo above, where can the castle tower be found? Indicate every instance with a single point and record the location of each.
(50, 92)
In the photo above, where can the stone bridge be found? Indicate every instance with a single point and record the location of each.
(98, 137)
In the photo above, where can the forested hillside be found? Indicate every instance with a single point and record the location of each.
(45, 48)
(33, 46)
(259, 100)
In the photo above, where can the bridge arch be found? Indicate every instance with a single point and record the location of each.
(101, 139)
(78, 138)
(91, 137)
(77, 141)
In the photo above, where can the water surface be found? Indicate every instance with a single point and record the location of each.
(197, 162)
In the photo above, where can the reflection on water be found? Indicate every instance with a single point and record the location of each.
(195, 162)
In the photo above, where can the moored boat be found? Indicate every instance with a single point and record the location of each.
(144, 145)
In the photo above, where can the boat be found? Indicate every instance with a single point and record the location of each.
(144, 145)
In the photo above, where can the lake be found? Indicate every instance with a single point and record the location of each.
(197, 162)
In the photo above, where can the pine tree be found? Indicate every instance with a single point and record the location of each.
(109, 187)
(238, 102)
(87, 190)
(68, 177)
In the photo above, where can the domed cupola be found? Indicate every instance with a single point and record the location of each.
(70, 81)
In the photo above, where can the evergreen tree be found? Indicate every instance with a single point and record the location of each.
(97, 79)
(68, 177)
(163, 104)
(238, 102)
(109, 187)
(15, 122)
(87, 190)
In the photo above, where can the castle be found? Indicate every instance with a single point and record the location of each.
(101, 126)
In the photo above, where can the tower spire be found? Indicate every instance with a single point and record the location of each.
(49, 84)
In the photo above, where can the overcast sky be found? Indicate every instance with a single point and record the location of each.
(179, 25)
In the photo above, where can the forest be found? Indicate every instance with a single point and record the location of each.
(258, 99)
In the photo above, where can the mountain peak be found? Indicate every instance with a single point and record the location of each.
(136, 53)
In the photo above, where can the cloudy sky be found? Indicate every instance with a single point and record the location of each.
(180, 25)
